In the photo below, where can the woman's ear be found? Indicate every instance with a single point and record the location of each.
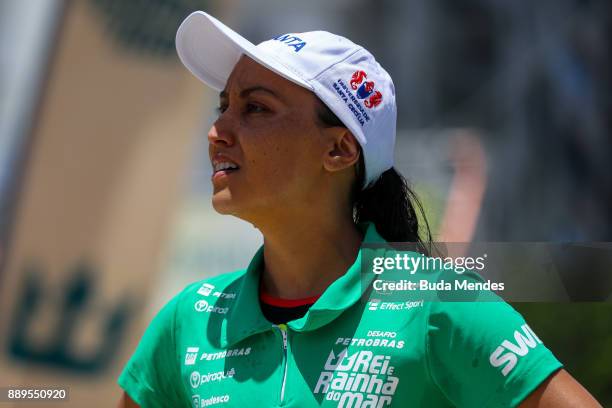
(342, 151)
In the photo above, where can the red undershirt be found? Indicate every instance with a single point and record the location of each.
(278, 310)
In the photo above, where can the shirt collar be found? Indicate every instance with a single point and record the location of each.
(246, 318)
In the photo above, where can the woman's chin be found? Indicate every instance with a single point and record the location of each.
(223, 203)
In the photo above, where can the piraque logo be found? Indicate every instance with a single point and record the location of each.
(365, 89)
(362, 379)
(508, 353)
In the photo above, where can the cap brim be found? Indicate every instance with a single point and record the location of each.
(210, 50)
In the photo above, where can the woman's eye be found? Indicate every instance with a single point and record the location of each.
(250, 108)
(255, 108)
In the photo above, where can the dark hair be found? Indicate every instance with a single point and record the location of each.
(389, 202)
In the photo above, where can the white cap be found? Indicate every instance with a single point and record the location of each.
(344, 75)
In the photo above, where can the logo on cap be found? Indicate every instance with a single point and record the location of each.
(365, 90)
(291, 41)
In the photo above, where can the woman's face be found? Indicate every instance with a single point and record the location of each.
(268, 133)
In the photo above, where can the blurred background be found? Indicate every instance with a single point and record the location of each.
(504, 131)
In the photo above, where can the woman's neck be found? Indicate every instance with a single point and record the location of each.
(303, 260)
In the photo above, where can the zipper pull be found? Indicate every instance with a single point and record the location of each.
(283, 329)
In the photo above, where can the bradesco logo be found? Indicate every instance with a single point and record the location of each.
(508, 353)
(203, 306)
(218, 399)
(362, 379)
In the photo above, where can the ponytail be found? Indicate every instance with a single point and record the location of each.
(389, 203)
(392, 206)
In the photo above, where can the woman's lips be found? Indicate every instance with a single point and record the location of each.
(220, 174)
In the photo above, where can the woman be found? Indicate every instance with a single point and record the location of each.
(303, 150)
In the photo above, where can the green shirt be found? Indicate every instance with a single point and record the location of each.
(211, 346)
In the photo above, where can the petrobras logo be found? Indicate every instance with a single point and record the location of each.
(291, 41)
(196, 379)
(206, 289)
(365, 89)
(506, 355)
(357, 380)
(209, 290)
(203, 306)
(374, 338)
(191, 355)
(235, 352)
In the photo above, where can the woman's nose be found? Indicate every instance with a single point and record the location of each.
(220, 134)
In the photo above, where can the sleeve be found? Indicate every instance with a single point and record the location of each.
(151, 377)
(483, 354)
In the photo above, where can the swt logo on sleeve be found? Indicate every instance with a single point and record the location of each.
(508, 353)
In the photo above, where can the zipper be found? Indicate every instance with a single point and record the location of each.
(283, 331)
